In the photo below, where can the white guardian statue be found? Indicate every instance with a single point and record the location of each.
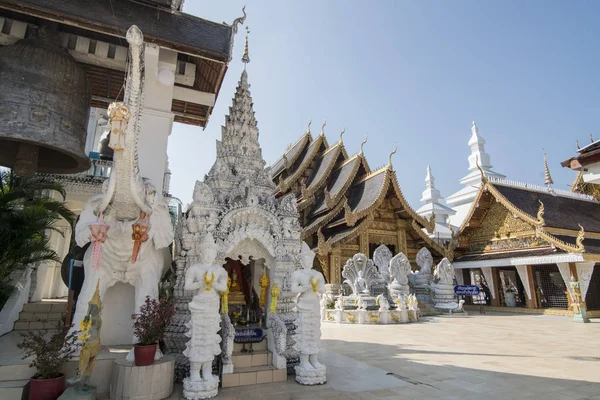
(208, 281)
(129, 223)
(309, 284)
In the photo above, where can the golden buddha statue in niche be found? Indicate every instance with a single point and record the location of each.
(236, 295)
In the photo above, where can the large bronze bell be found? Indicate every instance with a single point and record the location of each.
(44, 106)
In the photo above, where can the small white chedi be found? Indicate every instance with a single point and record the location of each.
(309, 284)
(208, 281)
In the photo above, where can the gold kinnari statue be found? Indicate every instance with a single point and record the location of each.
(274, 295)
(90, 339)
(264, 286)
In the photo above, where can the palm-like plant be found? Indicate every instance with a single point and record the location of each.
(27, 214)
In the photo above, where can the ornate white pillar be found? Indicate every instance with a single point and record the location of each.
(584, 276)
(487, 273)
(157, 118)
(522, 270)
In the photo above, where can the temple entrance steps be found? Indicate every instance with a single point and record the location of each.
(252, 368)
(41, 315)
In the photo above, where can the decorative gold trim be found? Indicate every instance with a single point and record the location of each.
(540, 214)
(578, 248)
(358, 230)
(413, 214)
(319, 223)
(315, 186)
(570, 232)
(349, 216)
(303, 192)
(357, 214)
(474, 206)
(305, 163)
(429, 241)
(512, 208)
(323, 246)
(305, 137)
(329, 203)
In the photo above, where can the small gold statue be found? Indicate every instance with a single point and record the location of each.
(90, 340)
(264, 286)
(236, 295)
(275, 292)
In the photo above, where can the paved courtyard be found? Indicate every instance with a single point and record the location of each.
(490, 356)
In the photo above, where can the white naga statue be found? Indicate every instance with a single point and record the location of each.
(384, 304)
(399, 270)
(421, 280)
(129, 223)
(443, 286)
(359, 273)
(208, 281)
(309, 284)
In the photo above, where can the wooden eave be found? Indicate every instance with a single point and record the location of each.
(307, 194)
(294, 176)
(288, 162)
(111, 30)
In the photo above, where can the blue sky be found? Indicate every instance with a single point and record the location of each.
(416, 73)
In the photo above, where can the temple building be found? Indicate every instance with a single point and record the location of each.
(433, 200)
(185, 57)
(524, 243)
(462, 200)
(346, 207)
(587, 163)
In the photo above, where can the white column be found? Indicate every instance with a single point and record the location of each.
(157, 119)
(522, 270)
(487, 273)
(584, 276)
(566, 275)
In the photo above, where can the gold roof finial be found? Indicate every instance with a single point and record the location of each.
(308, 129)
(577, 144)
(391, 154)
(246, 56)
(547, 178)
(363, 143)
(591, 138)
(342, 133)
(323, 128)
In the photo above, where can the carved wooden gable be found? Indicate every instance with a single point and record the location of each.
(499, 229)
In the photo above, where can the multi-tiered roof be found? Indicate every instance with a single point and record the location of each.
(339, 194)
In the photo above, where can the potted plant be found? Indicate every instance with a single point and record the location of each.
(149, 327)
(51, 352)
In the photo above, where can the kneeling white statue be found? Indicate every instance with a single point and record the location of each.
(309, 284)
(208, 280)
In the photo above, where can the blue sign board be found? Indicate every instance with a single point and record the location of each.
(248, 335)
(466, 290)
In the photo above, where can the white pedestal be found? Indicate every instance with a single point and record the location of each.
(363, 317)
(338, 316)
(152, 382)
(385, 317)
(312, 376)
(200, 390)
(404, 316)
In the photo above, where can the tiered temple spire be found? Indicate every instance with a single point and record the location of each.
(547, 177)
(461, 201)
(433, 206)
(239, 156)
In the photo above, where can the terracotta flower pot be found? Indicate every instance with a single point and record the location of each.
(144, 355)
(46, 389)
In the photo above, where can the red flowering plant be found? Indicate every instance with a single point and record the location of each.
(155, 316)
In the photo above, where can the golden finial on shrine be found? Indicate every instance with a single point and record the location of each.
(342, 134)
(547, 177)
(246, 56)
(363, 143)
(391, 154)
(323, 128)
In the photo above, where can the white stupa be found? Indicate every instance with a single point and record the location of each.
(433, 205)
(462, 200)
